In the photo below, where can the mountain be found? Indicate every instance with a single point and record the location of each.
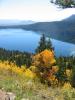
(71, 18)
(15, 22)
(61, 30)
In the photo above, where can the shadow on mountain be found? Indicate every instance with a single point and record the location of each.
(61, 30)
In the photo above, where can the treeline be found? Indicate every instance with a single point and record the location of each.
(20, 58)
(66, 64)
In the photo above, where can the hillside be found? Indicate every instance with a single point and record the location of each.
(11, 22)
(61, 30)
(14, 80)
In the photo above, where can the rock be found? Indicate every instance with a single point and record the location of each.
(11, 95)
(2, 95)
(6, 95)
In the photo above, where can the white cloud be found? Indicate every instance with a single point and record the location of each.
(65, 13)
(38, 12)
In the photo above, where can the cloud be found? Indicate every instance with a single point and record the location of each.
(37, 10)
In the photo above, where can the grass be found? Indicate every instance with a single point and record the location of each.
(31, 89)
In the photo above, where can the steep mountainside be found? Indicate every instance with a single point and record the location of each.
(62, 30)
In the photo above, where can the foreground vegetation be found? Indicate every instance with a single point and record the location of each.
(23, 84)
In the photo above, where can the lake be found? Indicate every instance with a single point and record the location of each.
(17, 39)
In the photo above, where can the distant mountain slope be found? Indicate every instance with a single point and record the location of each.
(15, 22)
(62, 30)
(71, 18)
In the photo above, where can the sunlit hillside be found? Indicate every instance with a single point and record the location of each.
(24, 85)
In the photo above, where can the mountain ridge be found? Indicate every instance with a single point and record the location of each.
(15, 22)
(61, 30)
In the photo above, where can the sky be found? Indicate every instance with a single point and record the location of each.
(36, 10)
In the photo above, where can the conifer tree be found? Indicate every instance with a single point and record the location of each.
(64, 3)
(42, 44)
(73, 77)
(49, 44)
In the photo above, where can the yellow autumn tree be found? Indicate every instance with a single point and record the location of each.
(45, 63)
(44, 59)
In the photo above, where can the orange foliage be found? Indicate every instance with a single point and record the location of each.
(44, 62)
(55, 69)
(51, 78)
(44, 59)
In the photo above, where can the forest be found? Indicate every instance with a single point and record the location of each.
(20, 58)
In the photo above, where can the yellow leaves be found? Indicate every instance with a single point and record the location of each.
(52, 61)
(53, 80)
(17, 70)
(36, 60)
(23, 68)
(55, 69)
(47, 57)
(33, 68)
(67, 86)
(13, 69)
(44, 59)
(68, 72)
(4, 65)
(44, 62)
(30, 74)
(51, 77)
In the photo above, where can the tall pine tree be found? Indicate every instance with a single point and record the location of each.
(49, 44)
(44, 44)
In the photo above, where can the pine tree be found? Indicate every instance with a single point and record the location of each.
(73, 77)
(49, 44)
(64, 3)
(42, 44)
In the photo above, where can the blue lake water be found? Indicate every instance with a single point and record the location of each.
(17, 39)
